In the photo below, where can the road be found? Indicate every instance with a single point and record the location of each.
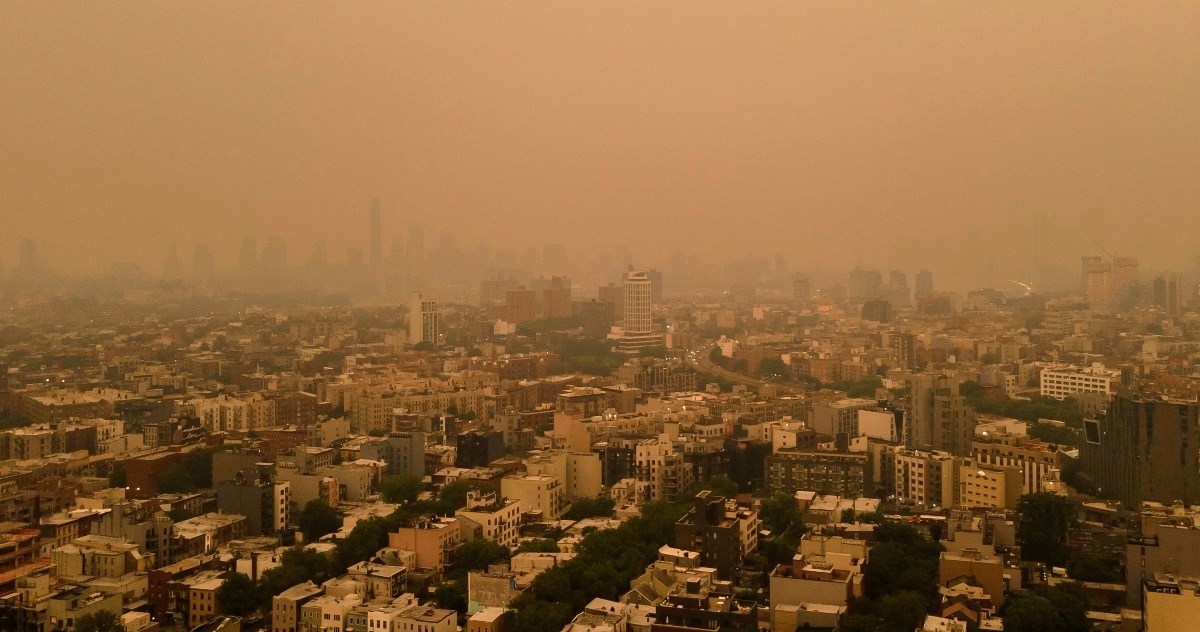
(699, 361)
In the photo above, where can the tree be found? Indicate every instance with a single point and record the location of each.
(238, 596)
(116, 478)
(1052, 433)
(318, 519)
(367, 537)
(99, 621)
(778, 512)
(454, 496)
(451, 595)
(903, 611)
(590, 508)
(1045, 520)
(1062, 608)
(1090, 569)
(1029, 612)
(297, 566)
(477, 555)
(403, 488)
(199, 466)
(175, 480)
(771, 367)
(537, 545)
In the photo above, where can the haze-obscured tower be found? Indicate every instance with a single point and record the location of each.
(1168, 294)
(1040, 245)
(924, 283)
(376, 250)
(1098, 283)
(656, 286)
(203, 265)
(801, 290)
(865, 284)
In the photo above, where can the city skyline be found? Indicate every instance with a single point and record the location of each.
(801, 133)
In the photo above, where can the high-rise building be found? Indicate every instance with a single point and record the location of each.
(801, 290)
(173, 270)
(924, 283)
(1168, 294)
(896, 289)
(1145, 448)
(637, 328)
(656, 286)
(1124, 274)
(904, 347)
(248, 257)
(937, 417)
(1087, 262)
(865, 284)
(274, 257)
(1097, 283)
(614, 294)
(423, 320)
(877, 310)
(637, 301)
(376, 250)
(203, 265)
(1040, 248)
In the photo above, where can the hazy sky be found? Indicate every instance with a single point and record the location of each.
(891, 134)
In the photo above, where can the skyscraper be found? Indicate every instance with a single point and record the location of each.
(1124, 274)
(1168, 293)
(801, 290)
(656, 286)
(924, 283)
(637, 327)
(202, 265)
(423, 320)
(376, 250)
(865, 284)
(1097, 283)
(637, 301)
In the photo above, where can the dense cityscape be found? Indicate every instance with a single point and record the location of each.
(621, 316)
(191, 452)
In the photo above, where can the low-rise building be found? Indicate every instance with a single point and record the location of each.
(490, 517)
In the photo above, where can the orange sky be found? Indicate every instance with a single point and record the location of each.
(895, 134)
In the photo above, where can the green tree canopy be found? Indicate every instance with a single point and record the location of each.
(318, 519)
(476, 555)
(175, 480)
(238, 596)
(773, 366)
(778, 512)
(99, 621)
(1042, 531)
(899, 581)
(1029, 612)
(589, 508)
(297, 566)
(403, 488)
(537, 545)
(367, 537)
(1062, 608)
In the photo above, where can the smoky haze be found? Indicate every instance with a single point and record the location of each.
(817, 136)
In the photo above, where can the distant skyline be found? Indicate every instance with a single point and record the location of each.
(888, 135)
